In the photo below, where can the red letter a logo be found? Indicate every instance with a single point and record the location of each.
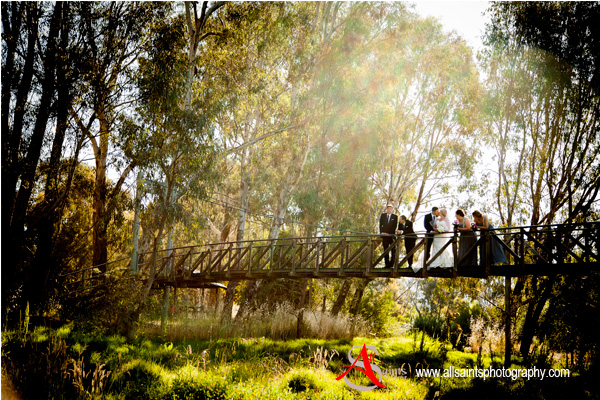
(368, 369)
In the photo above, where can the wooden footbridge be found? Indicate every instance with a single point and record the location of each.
(530, 250)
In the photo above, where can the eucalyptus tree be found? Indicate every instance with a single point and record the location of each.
(421, 91)
(543, 110)
(114, 35)
(42, 77)
(252, 69)
(543, 122)
(169, 138)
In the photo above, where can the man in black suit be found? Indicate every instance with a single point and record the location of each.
(410, 238)
(387, 228)
(429, 222)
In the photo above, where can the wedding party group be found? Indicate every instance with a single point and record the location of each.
(438, 231)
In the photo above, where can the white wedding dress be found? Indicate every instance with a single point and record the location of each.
(444, 260)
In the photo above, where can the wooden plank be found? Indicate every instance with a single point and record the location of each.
(303, 258)
(533, 239)
(209, 263)
(295, 250)
(343, 252)
(289, 260)
(396, 256)
(329, 257)
(181, 261)
(386, 251)
(455, 250)
(369, 257)
(352, 259)
(198, 261)
(318, 253)
(249, 273)
(412, 252)
(515, 256)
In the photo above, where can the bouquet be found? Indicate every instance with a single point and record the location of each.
(441, 229)
(473, 226)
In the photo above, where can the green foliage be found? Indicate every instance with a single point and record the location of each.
(201, 387)
(431, 324)
(379, 309)
(302, 381)
(44, 365)
(572, 320)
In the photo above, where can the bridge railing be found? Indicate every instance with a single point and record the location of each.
(356, 255)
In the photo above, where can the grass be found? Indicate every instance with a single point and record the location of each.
(67, 364)
(280, 323)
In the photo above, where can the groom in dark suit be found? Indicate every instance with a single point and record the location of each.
(388, 223)
(429, 222)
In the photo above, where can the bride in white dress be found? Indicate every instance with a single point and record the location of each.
(444, 233)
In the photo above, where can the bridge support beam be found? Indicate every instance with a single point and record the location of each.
(507, 342)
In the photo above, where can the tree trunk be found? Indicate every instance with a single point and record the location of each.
(99, 218)
(285, 195)
(241, 229)
(34, 286)
(12, 137)
(52, 208)
(534, 311)
(341, 299)
(360, 289)
(300, 320)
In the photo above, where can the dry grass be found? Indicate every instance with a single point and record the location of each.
(280, 324)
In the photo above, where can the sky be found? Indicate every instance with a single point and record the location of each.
(464, 17)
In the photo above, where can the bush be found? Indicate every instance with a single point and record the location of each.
(302, 380)
(378, 308)
(200, 387)
(431, 324)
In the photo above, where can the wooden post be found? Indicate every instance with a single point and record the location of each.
(271, 257)
(522, 247)
(488, 251)
(586, 240)
(209, 262)
(507, 342)
(343, 250)
(294, 250)
(249, 259)
(424, 269)
(455, 250)
(82, 280)
(369, 257)
(396, 255)
(318, 250)
(169, 267)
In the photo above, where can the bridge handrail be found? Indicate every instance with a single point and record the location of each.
(374, 235)
(417, 234)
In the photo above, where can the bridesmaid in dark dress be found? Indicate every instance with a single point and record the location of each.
(482, 222)
(467, 240)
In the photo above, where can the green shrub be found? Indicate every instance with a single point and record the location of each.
(302, 380)
(199, 387)
(378, 308)
(431, 324)
(137, 379)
